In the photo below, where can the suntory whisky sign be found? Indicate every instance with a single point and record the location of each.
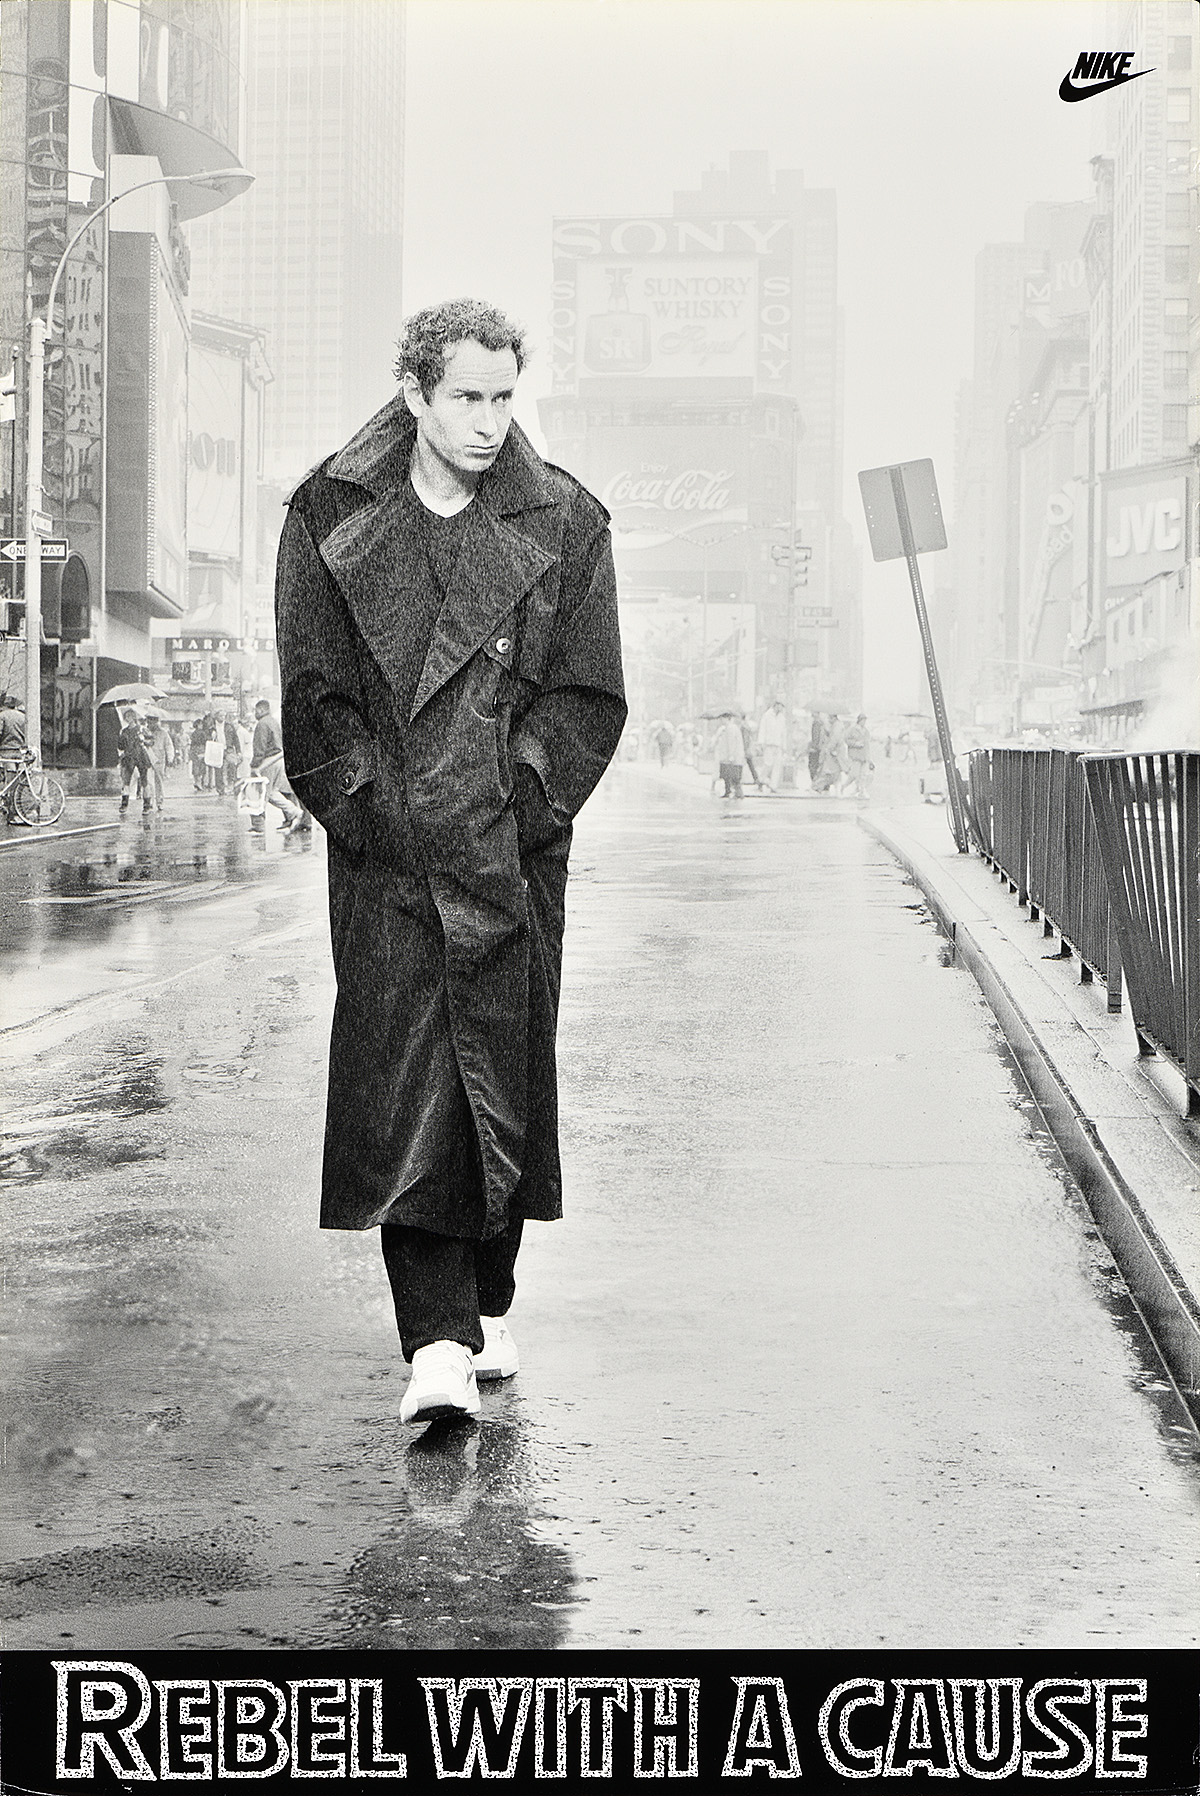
(653, 299)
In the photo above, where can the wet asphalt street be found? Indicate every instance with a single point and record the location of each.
(825, 1353)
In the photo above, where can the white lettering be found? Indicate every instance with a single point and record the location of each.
(762, 1732)
(100, 1713)
(833, 1725)
(691, 489)
(666, 1744)
(1168, 525)
(638, 229)
(448, 1699)
(580, 235)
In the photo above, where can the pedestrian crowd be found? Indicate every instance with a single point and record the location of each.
(839, 751)
(225, 757)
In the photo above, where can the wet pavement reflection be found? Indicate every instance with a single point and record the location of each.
(826, 1351)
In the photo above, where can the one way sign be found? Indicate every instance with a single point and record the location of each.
(54, 548)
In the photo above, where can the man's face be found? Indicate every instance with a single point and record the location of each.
(466, 419)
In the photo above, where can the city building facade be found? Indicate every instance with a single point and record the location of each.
(697, 391)
(311, 255)
(99, 97)
(1076, 601)
(222, 652)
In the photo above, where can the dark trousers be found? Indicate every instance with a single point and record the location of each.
(441, 1285)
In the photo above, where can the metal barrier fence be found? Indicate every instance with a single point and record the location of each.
(1106, 848)
(1036, 827)
(1147, 812)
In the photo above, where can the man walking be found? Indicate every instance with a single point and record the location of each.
(12, 745)
(155, 739)
(452, 692)
(266, 763)
(134, 762)
(729, 748)
(772, 741)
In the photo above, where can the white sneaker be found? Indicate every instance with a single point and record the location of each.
(442, 1384)
(499, 1358)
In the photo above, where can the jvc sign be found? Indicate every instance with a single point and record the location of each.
(1145, 529)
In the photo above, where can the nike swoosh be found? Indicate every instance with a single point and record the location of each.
(1067, 92)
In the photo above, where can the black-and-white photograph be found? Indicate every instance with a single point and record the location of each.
(600, 873)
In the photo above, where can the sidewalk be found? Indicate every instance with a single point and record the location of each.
(1118, 1119)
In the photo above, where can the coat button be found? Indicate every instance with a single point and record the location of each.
(347, 782)
(502, 645)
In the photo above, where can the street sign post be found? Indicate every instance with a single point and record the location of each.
(54, 548)
(904, 518)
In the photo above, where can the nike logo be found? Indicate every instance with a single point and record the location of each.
(1102, 70)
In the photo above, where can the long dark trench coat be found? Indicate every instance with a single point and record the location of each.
(448, 813)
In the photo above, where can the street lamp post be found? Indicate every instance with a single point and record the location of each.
(37, 524)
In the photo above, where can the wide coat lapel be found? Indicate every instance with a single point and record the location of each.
(377, 556)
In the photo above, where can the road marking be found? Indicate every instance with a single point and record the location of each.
(58, 835)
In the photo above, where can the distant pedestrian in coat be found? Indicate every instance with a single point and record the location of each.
(664, 742)
(816, 745)
(231, 756)
(834, 763)
(12, 744)
(134, 762)
(452, 692)
(196, 741)
(266, 763)
(858, 755)
(730, 750)
(772, 742)
(156, 740)
(748, 752)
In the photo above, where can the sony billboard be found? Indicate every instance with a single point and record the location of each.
(644, 300)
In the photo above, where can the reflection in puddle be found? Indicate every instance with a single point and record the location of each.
(462, 1566)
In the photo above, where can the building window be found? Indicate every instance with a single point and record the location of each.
(1175, 318)
(1179, 53)
(1175, 425)
(1176, 216)
(1179, 105)
(1175, 368)
(1175, 262)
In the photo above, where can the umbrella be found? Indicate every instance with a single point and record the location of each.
(132, 694)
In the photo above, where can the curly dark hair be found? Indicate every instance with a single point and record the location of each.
(429, 334)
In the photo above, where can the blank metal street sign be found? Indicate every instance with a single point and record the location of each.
(924, 509)
(54, 548)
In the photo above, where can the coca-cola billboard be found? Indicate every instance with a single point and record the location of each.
(662, 477)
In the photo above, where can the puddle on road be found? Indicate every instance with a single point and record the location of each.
(68, 1136)
(461, 1566)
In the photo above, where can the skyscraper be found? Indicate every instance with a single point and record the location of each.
(311, 256)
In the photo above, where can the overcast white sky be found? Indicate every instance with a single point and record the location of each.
(936, 121)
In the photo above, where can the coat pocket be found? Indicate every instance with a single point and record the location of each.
(334, 791)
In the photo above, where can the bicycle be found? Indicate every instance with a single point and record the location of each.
(31, 795)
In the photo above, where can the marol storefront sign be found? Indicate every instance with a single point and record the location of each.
(650, 299)
(663, 477)
(1145, 525)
